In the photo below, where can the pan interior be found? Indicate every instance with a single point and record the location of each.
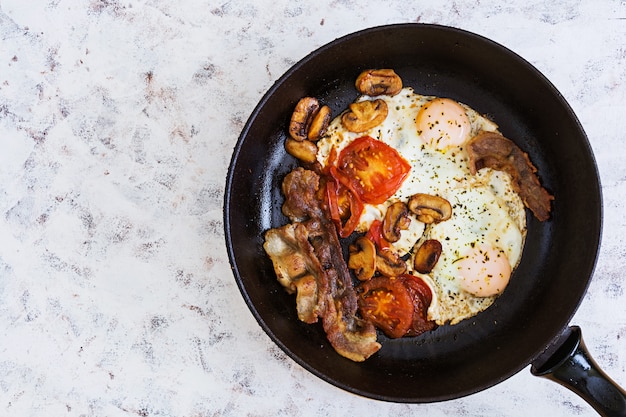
(559, 255)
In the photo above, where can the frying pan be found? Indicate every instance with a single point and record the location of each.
(528, 324)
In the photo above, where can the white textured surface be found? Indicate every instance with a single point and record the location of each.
(117, 120)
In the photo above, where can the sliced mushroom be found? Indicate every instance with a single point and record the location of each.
(319, 124)
(305, 150)
(362, 258)
(302, 116)
(364, 115)
(430, 208)
(396, 219)
(389, 263)
(427, 256)
(376, 82)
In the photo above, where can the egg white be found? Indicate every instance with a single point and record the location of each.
(485, 208)
(479, 216)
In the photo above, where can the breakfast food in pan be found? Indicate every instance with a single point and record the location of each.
(430, 196)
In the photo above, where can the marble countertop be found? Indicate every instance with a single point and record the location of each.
(117, 122)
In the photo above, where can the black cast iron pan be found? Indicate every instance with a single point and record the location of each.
(528, 323)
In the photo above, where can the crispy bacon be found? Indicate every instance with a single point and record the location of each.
(300, 187)
(293, 260)
(308, 260)
(491, 149)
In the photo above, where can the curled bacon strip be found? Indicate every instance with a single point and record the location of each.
(492, 150)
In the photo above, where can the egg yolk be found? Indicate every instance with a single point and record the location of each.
(484, 271)
(442, 123)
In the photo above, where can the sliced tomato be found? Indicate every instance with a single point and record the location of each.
(345, 208)
(371, 169)
(375, 234)
(332, 160)
(422, 297)
(388, 304)
(420, 288)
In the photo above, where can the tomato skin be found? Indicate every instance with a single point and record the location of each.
(388, 304)
(334, 193)
(422, 297)
(421, 289)
(375, 234)
(371, 169)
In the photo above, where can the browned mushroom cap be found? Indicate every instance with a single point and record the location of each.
(305, 150)
(376, 82)
(427, 256)
(319, 124)
(396, 219)
(430, 208)
(364, 115)
(302, 116)
(389, 263)
(362, 258)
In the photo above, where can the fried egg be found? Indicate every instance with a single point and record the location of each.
(481, 245)
(483, 241)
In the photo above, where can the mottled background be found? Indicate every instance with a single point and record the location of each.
(117, 121)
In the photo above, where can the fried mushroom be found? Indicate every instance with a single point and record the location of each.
(430, 208)
(389, 263)
(364, 115)
(304, 150)
(376, 82)
(319, 124)
(426, 256)
(305, 111)
(362, 258)
(396, 219)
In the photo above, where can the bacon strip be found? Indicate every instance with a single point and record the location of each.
(309, 248)
(492, 150)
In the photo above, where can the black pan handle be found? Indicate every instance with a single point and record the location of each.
(568, 362)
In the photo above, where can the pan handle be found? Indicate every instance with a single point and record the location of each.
(568, 362)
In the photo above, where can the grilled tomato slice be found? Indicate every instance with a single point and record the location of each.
(422, 297)
(388, 304)
(371, 169)
(345, 208)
